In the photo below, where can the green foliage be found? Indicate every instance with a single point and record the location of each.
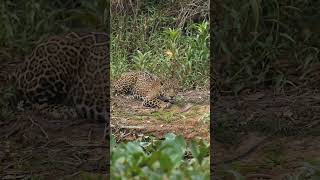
(94, 14)
(267, 43)
(155, 159)
(24, 23)
(148, 41)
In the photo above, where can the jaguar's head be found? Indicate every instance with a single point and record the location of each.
(169, 90)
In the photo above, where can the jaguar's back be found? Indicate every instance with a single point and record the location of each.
(70, 69)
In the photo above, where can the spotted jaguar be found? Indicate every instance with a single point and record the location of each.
(153, 91)
(69, 71)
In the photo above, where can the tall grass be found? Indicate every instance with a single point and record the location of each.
(24, 23)
(267, 43)
(152, 41)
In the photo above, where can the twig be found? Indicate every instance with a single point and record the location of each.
(20, 161)
(23, 176)
(67, 162)
(89, 135)
(131, 127)
(259, 176)
(85, 145)
(40, 127)
(313, 124)
(11, 133)
(73, 175)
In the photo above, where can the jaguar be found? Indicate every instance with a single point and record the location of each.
(67, 71)
(153, 91)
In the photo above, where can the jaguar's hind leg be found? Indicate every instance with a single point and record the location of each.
(124, 84)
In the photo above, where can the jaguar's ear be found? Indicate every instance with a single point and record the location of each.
(175, 79)
(176, 82)
(162, 78)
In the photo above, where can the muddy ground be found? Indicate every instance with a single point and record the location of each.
(38, 147)
(189, 116)
(285, 128)
(267, 136)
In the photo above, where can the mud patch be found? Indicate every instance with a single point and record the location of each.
(267, 136)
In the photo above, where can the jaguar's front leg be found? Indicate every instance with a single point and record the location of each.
(61, 112)
(155, 103)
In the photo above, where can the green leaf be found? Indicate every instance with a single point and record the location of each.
(155, 156)
(166, 163)
(255, 5)
(170, 136)
(133, 148)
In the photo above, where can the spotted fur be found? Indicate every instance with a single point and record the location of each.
(68, 70)
(147, 87)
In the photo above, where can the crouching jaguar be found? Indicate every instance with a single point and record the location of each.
(69, 71)
(153, 91)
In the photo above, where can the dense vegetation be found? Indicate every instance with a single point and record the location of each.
(145, 35)
(23, 24)
(148, 36)
(266, 43)
(171, 158)
(257, 44)
(157, 37)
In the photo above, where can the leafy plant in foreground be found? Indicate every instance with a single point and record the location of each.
(158, 159)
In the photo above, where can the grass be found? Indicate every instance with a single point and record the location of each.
(23, 24)
(168, 116)
(148, 41)
(266, 44)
